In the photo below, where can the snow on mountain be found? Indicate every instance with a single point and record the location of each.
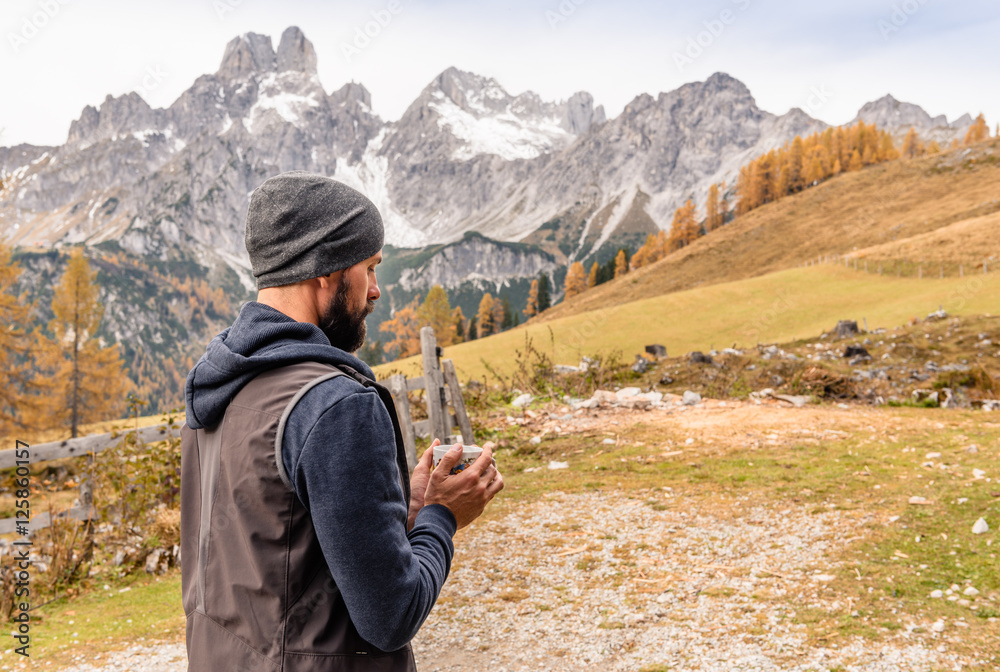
(506, 134)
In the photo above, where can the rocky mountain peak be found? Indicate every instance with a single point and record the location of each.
(295, 52)
(580, 113)
(349, 93)
(123, 114)
(249, 53)
(889, 113)
(471, 92)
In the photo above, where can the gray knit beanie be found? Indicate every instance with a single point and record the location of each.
(301, 225)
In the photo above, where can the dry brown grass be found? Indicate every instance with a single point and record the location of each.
(884, 204)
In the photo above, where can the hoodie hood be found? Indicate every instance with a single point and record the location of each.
(260, 339)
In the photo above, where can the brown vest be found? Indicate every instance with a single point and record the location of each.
(257, 591)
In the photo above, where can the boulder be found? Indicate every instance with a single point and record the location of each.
(856, 351)
(522, 401)
(691, 398)
(700, 358)
(604, 397)
(846, 328)
(627, 392)
(656, 350)
(641, 364)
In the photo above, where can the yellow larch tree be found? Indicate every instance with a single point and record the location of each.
(621, 264)
(912, 147)
(592, 278)
(576, 280)
(436, 313)
(499, 323)
(978, 131)
(713, 209)
(531, 309)
(405, 329)
(14, 348)
(83, 381)
(683, 229)
(484, 317)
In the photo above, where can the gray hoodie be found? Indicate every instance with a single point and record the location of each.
(339, 452)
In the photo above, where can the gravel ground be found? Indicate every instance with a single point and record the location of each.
(614, 582)
(605, 581)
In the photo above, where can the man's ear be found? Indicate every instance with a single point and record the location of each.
(329, 281)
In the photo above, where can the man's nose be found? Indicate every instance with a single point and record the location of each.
(373, 291)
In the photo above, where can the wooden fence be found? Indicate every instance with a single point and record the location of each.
(441, 385)
(439, 380)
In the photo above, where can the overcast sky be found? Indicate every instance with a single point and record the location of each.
(828, 58)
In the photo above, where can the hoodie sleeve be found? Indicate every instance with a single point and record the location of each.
(341, 460)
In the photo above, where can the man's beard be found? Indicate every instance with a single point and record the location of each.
(345, 329)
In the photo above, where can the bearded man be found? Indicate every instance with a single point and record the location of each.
(305, 545)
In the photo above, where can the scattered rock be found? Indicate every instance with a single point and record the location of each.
(978, 474)
(970, 592)
(856, 351)
(932, 456)
(937, 593)
(656, 350)
(627, 392)
(691, 398)
(701, 358)
(981, 527)
(558, 465)
(938, 626)
(153, 561)
(565, 368)
(798, 401)
(938, 314)
(973, 449)
(605, 397)
(846, 328)
(641, 364)
(535, 440)
(666, 380)
(920, 501)
(609, 442)
(522, 401)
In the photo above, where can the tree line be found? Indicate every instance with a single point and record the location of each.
(63, 376)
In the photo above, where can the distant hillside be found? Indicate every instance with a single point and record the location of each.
(774, 308)
(882, 205)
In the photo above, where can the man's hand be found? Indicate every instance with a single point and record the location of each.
(468, 492)
(418, 483)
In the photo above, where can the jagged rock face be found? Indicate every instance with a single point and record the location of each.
(476, 259)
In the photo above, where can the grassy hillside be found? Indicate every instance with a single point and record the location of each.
(776, 307)
(880, 205)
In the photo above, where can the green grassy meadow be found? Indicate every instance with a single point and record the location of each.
(774, 308)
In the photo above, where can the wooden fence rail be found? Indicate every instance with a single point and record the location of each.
(57, 450)
(439, 380)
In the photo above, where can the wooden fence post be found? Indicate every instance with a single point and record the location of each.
(434, 381)
(464, 424)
